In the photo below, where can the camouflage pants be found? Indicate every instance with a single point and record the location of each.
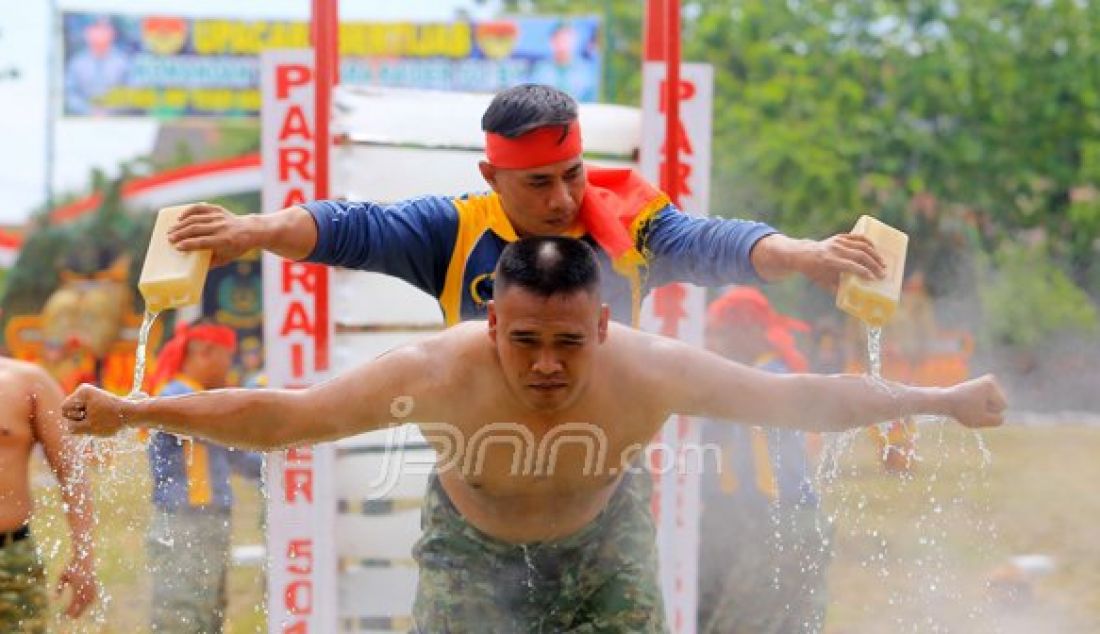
(762, 569)
(188, 557)
(22, 589)
(602, 579)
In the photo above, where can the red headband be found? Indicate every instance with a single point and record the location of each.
(171, 356)
(216, 334)
(541, 146)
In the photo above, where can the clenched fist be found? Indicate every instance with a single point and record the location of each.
(90, 410)
(978, 402)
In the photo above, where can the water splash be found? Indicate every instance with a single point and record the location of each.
(912, 561)
(530, 568)
(147, 321)
(909, 425)
(120, 479)
(874, 352)
(987, 455)
(104, 450)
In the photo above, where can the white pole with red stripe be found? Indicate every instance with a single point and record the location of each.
(676, 108)
(298, 333)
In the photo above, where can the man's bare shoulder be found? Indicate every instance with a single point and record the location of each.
(640, 345)
(645, 360)
(465, 338)
(23, 373)
(21, 381)
(453, 351)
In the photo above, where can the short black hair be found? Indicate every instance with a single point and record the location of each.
(517, 110)
(548, 265)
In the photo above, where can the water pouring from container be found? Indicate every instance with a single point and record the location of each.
(169, 279)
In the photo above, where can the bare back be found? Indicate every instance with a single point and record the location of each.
(17, 438)
(521, 475)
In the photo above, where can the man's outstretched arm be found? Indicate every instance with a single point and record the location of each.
(357, 401)
(696, 382)
(718, 251)
(411, 239)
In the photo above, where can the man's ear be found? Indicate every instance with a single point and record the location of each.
(491, 305)
(489, 173)
(605, 318)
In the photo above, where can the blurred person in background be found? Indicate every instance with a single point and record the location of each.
(252, 363)
(830, 354)
(30, 414)
(189, 535)
(763, 545)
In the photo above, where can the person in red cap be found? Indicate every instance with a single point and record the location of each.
(763, 551)
(530, 522)
(188, 541)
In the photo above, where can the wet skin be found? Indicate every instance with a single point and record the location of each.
(17, 438)
(544, 372)
(30, 403)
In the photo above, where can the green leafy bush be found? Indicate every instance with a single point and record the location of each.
(1027, 299)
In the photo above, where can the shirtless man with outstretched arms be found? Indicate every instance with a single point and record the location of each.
(526, 527)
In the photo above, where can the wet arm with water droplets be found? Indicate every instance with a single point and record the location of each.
(357, 401)
(63, 453)
(699, 383)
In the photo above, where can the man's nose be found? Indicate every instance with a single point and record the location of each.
(560, 199)
(546, 362)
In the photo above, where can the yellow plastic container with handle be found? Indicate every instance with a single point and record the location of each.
(171, 278)
(875, 301)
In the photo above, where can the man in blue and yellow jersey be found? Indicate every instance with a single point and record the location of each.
(448, 245)
(763, 547)
(188, 542)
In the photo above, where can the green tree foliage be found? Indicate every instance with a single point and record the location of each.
(1035, 299)
(964, 123)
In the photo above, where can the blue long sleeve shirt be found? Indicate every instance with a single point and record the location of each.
(449, 246)
(194, 474)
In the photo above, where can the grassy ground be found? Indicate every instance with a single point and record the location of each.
(913, 554)
(920, 553)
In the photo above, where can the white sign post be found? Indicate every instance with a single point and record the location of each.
(301, 509)
(676, 460)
